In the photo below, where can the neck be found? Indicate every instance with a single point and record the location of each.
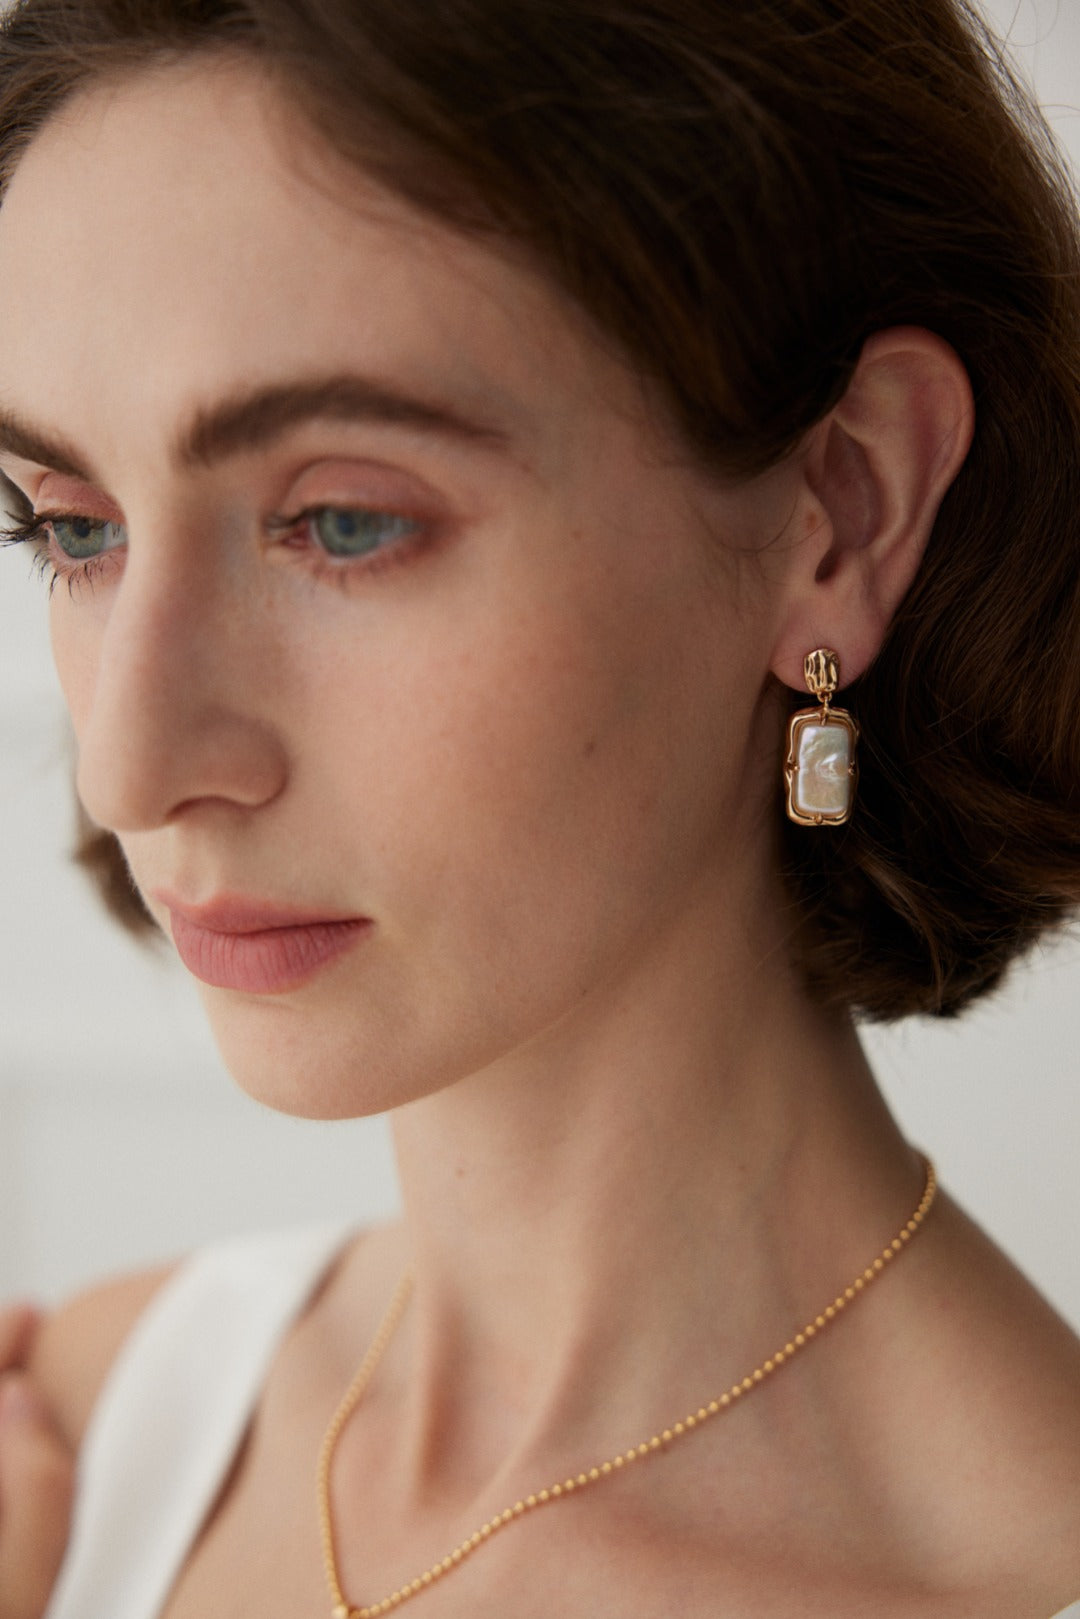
(674, 1179)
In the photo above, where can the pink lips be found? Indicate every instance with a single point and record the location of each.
(261, 949)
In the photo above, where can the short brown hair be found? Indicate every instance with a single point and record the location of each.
(739, 194)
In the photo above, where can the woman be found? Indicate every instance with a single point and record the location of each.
(454, 433)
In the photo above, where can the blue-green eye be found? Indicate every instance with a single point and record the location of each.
(341, 532)
(344, 533)
(81, 538)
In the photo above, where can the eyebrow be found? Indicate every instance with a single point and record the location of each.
(26, 443)
(256, 419)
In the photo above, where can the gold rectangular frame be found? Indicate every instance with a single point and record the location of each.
(796, 725)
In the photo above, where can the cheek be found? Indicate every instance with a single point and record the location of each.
(550, 771)
(75, 632)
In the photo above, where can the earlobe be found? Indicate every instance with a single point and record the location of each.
(875, 472)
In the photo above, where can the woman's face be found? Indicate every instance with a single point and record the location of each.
(382, 599)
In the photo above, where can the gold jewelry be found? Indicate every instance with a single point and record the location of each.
(342, 1609)
(820, 768)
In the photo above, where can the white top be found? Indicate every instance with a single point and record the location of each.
(172, 1414)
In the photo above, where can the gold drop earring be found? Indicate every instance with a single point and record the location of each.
(821, 769)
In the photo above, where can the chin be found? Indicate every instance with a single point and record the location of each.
(310, 1067)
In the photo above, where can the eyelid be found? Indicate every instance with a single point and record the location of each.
(66, 495)
(347, 483)
(279, 523)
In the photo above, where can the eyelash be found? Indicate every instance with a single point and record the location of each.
(37, 533)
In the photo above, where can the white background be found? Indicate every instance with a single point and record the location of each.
(122, 1140)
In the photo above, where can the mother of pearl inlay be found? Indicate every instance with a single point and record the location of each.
(823, 784)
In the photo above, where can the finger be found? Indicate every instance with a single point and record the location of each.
(36, 1485)
(18, 1323)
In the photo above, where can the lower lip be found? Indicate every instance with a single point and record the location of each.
(263, 963)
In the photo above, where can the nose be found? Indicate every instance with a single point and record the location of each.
(172, 712)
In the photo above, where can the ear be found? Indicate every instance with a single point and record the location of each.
(873, 476)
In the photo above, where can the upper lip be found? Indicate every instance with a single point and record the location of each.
(236, 913)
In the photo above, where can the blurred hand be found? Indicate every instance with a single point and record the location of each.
(36, 1479)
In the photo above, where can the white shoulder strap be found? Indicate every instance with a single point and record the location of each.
(171, 1416)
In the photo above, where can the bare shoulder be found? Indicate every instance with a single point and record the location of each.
(992, 1391)
(79, 1340)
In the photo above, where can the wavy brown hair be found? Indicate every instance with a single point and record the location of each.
(739, 192)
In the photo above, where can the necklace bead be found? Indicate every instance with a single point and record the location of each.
(340, 1606)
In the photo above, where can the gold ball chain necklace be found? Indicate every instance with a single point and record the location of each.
(343, 1609)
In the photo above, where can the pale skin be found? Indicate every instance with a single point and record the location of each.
(36, 1476)
(536, 742)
